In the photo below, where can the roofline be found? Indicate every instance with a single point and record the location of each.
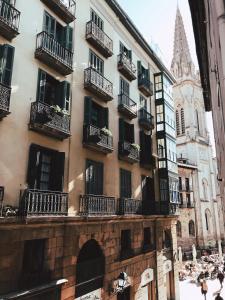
(129, 25)
(187, 166)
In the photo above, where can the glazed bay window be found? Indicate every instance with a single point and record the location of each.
(93, 202)
(128, 149)
(45, 178)
(54, 45)
(125, 242)
(125, 64)
(50, 114)
(96, 133)
(144, 83)
(94, 80)
(96, 36)
(6, 68)
(161, 145)
(126, 105)
(9, 19)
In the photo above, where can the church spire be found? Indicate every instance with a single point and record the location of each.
(182, 65)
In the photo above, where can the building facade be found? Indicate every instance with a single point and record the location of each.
(208, 25)
(201, 209)
(82, 211)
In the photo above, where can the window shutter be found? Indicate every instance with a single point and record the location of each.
(142, 145)
(49, 24)
(68, 37)
(139, 67)
(87, 110)
(7, 57)
(131, 130)
(33, 163)
(99, 179)
(121, 130)
(41, 86)
(64, 95)
(151, 193)
(106, 117)
(57, 171)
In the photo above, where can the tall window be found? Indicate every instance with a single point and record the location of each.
(182, 121)
(94, 178)
(96, 63)
(125, 184)
(177, 122)
(205, 189)
(191, 227)
(179, 229)
(207, 219)
(125, 51)
(96, 19)
(126, 249)
(197, 120)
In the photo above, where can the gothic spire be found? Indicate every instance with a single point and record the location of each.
(182, 65)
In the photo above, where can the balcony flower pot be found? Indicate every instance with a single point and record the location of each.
(106, 131)
(136, 147)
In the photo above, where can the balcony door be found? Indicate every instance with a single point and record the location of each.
(125, 184)
(126, 131)
(148, 194)
(95, 114)
(45, 169)
(94, 178)
(124, 87)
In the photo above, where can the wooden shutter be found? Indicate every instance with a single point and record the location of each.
(41, 86)
(130, 54)
(87, 110)
(33, 163)
(124, 87)
(57, 171)
(63, 96)
(49, 25)
(125, 184)
(68, 37)
(139, 67)
(121, 130)
(94, 178)
(6, 64)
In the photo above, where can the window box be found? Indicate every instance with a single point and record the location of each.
(127, 106)
(97, 205)
(126, 67)
(9, 20)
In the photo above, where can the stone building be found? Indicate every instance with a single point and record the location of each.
(201, 209)
(84, 145)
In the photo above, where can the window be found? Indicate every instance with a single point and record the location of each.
(96, 19)
(94, 177)
(177, 122)
(143, 102)
(167, 239)
(181, 199)
(33, 256)
(179, 234)
(208, 220)
(45, 169)
(182, 121)
(197, 120)
(188, 199)
(163, 185)
(161, 148)
(126, 131)
(187, 184)
(125, 51)
(125, 184)
(124, 87)
(191, 227)
(146, 148)
(95, 114)
(6, 64)
(96, 63)
(52, 91)
(147, 241)
(143, 73)
(180, 183)
(126, 250)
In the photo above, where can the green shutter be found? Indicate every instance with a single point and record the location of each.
(6, 64)
(106, 117)
(41, 86)
(64, 95)
(139, 67)
(131, 131)
(94, 178)
(57, 171)
(130, 54)
(121, 130)
(33, 162)
(49, 25)
(68, 37)
(87, 110)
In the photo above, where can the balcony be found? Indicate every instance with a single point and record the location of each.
(145, 119)
(43, 203)
(94, 205)
(168, 208)
(98, 84)
(127, 107)
(127, 206)
(43, 119)
(95, 138)
(9, 20)
(5, 94)
(52, 53)
(126, 67)
(147, 161)
(145, 85)
(98, 39)
(64, 9)
(128, 152)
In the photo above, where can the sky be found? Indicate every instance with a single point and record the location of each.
(155, 19)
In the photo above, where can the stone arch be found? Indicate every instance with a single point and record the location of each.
(191, 228)
(90, 268)
(179, 229)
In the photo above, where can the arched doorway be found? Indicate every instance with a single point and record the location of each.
(90, 268)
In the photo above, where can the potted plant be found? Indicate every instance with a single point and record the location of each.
(106, 131)
(136, 146)
(57, 110)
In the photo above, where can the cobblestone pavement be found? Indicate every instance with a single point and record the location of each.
(190, 291)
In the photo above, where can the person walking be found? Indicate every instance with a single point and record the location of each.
(204, 288)
(220, 277)
(218, 297)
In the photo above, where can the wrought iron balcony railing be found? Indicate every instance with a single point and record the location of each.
(98, 84)
(168, 208)
(95, 138)
(5, 94)
(99, 39)
(126, 67)
(127, 106)
(44, 119)
(52, 53)
(97, 205)
(128, 152)
(127, 206)
(145, 85)
(65, 9)
(9, 20)
(43, 203)
(146, 120)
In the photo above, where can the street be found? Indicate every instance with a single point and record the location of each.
(190, 291)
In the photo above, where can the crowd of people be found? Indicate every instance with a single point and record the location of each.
(208, 267)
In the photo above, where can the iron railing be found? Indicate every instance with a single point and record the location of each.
(40, 110)
(43, 203)
(9, 15)
(125, 61)
(129, 206)
(126, 149)
(124, 100)
(97, 205)
(92, 30)
(145, 116)
(5, 94)
(52, 47)
(94, 78)
(144, 82)
(93, 134)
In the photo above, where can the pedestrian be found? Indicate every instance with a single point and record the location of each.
(218, 297)
(220, 277)
(204, 288)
